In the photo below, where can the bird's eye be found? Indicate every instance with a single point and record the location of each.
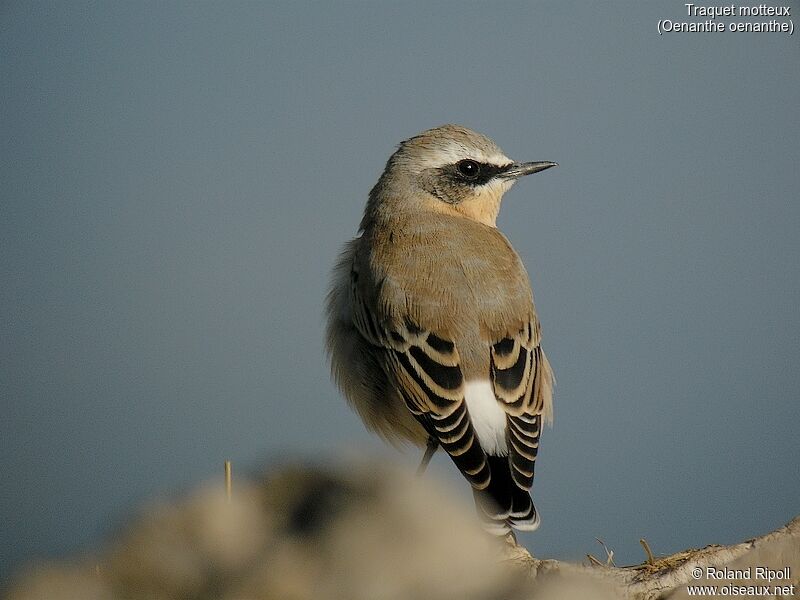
(468, 168)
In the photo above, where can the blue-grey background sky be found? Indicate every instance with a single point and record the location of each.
(177, 179)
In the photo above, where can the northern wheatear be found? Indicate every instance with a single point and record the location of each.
(432, 332)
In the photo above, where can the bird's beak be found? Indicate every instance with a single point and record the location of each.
(517, 170)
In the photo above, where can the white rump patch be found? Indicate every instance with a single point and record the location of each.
(488, 418)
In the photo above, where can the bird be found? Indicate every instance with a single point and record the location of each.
(432, 333)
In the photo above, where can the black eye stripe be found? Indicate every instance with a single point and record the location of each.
(486, 172)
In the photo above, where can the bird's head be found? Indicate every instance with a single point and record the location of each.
(449, 169)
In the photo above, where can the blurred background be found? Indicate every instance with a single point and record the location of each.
(177, 179)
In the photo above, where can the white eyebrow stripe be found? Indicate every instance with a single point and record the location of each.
(453, 153)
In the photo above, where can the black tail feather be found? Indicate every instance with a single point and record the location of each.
(503, 504)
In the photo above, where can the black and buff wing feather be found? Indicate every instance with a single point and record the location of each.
(521, 380)
(426, 369)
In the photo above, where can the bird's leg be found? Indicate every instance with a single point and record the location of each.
(511, 538)
(430, 450)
